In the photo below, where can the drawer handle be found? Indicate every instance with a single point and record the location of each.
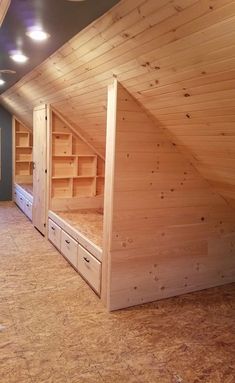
(27, 205)
(87, 260)
(68, 242)
(52, 228)
(21, 199)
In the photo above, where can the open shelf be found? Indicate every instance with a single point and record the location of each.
(64, 156)
(75, 167)
(22, 139)
(64, 167)
(61, 144)
(84, 186)
(23, 147)
(62, 188)
(23, 161)
(23, 153)
(61, 178)
(87, 166)
(23, 168)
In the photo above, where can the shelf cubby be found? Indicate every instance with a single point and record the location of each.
(22, 139)
(23, 168)
(23, 154)
(64, 166)
(23, 148)
(87, 166)
(76, 170)
(62, 188)
(61, 144)
(84, 186)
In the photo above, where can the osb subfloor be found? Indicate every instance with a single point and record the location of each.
(53, 328)
(89, 222)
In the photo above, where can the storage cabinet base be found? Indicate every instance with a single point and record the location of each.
(24, 201)
(87, 265)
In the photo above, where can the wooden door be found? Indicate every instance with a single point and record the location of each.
(40, 168)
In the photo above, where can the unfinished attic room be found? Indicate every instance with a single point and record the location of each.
(117, 191)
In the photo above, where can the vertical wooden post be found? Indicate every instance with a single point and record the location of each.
(40, 168)
(109, 188)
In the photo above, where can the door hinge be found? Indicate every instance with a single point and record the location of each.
(46, 118)
(44, 225)
(46, 171)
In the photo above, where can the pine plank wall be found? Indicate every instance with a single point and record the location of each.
(174, 64)
(169, 232)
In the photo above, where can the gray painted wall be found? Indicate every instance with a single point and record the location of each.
(6, 155)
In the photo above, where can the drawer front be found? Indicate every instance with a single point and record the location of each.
(21, 201)
(14, 194)
(28, 209)
(69, 248)
(17, 197)
(54, 233)
(90, 268)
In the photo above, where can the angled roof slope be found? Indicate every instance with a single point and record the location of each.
(176, 57)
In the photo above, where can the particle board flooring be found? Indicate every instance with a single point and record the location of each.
(54, 329)
(89, 222)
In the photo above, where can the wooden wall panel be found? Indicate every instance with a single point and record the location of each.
(176, 57)
(40, 162)
(168, 232)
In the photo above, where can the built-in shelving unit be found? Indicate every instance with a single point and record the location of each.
(76, 171)
(23, 148)
(22, 193)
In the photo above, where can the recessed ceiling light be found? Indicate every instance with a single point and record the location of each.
(37, 34)
(19, 57)
(2, 82)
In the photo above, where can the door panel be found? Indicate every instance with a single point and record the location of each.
(40, 166)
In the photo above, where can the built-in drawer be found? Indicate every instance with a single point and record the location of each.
(69, 248)
(54, 233)
(14, 194)
(20, 201)
(28, 209)
(90, 268)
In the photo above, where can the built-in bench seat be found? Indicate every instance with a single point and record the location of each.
(78, 235)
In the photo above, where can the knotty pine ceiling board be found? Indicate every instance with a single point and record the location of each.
(176, 57)
(61, 19)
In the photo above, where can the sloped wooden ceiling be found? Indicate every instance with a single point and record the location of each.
(176, 57)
